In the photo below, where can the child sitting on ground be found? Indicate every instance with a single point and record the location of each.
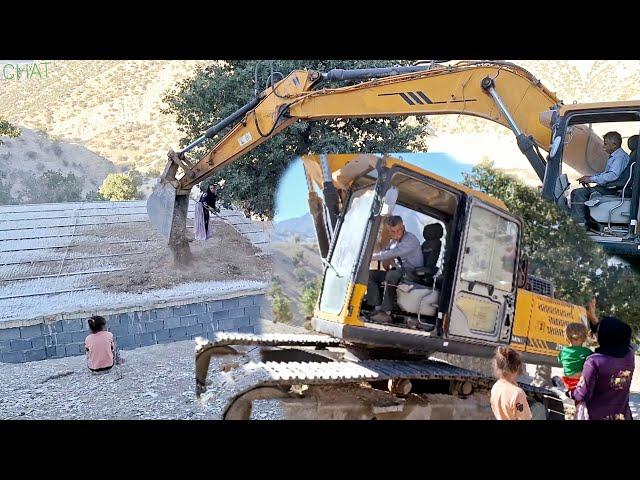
(100, 346)
(572, 357)
(508, 401)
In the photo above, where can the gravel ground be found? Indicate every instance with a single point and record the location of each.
(155, 382)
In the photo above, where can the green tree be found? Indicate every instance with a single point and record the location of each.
(309, 296)
(94, 196)
(298, 258)
(136, 177)
(250, 183)
(54, 187)
(300, 274)
(281, 307)
(619, 293)
(7, 130)
(120, 187)
(560, 251)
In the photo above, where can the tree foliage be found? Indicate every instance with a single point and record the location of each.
(281, 307)
(121, 186)
(251, 182)
(300, 274)
(309, 297)
(94, 196)
(7, 130)
(560, 251)
(297, 258)
(54, 187)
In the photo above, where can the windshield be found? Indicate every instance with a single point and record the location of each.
(492, 245)
(346, 251)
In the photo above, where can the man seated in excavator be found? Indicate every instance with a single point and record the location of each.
(615, 174)
(405, 260)
(404, 250)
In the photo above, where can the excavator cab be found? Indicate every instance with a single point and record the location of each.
(465, 296)
(612, 208)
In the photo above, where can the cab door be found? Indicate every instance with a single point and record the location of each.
(484, 288)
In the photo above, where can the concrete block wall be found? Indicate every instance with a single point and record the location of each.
(132, 329)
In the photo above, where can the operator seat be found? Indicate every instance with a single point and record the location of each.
(417, 294)
(431, 248)
(617, 185)
(617, 204)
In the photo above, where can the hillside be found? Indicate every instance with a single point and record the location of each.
(301, 226)
(286, 271)
(24, 158)
(113, 108)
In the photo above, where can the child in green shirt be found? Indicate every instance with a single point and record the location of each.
(573, 356)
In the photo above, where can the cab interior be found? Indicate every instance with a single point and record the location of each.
(428, 211)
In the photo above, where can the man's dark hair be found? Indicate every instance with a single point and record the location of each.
(394, 221)
(97, 323)
(614, 137)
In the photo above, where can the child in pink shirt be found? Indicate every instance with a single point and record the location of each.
(101, 349)
(508, 400)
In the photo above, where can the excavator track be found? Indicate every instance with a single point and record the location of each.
(272, 339)
(275, 380)
(222, 343)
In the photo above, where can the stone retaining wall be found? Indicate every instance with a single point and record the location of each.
(132, 329)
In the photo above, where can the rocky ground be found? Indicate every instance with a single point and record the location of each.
(155, 382)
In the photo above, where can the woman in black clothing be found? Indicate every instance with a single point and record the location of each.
(209, 199)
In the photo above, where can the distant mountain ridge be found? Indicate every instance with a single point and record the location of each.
(301, 226)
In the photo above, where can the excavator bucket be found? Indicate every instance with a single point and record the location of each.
(168, 213)
(161, 207)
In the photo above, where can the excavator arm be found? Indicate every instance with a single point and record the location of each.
(454, 89)
(497, 91)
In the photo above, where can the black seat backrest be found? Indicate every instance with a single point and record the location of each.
(432, 245)
(632, 143)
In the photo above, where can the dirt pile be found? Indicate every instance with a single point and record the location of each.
(225, 256)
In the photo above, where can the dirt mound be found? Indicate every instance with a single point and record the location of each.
(225, 256)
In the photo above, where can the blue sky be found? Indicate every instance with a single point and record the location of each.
(291, 197)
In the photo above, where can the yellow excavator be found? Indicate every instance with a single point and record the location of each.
(477, 297)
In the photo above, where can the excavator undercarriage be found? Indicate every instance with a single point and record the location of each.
(315, 377)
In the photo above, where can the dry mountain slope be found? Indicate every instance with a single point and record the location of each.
(111, 107)
(24, 158)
